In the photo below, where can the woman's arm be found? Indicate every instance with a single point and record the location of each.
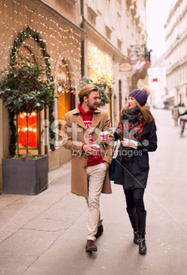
(149, 144)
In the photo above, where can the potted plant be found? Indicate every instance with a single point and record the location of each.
(166, 104)
(23, 89)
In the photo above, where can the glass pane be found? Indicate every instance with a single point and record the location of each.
(22, 132)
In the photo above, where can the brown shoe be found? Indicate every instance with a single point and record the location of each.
(90, 246)
(99, 231)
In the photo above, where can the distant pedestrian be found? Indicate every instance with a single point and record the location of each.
(137, 133)
(90, 158)
(175, 115)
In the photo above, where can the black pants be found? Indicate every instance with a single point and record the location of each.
(134, 199)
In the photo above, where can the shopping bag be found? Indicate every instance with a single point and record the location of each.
(112, 169)
(112, 166)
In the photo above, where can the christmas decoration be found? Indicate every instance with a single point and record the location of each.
(21, 37)
(105, 89)
(24, 91)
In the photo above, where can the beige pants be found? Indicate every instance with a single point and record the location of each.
(96, 175)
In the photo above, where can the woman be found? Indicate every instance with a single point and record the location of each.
(175, 115)
(137, 133)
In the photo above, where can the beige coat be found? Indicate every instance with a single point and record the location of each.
(74, 136)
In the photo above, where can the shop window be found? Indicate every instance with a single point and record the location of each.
(22, 132)
(34, 144)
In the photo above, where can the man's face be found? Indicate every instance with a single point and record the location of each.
(93, 100)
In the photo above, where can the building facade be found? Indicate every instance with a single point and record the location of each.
(84, 38)
(115, 34)
(176, 54)
(39, 30)
(157, 83)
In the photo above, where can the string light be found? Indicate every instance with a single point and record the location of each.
(60, 38)
(100, 64)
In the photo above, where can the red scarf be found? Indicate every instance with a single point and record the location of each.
(134, 124)
(87, 118)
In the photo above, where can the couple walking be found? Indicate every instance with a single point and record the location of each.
(92, 154)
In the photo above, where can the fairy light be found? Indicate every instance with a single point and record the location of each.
(99, 64)
(59, 37)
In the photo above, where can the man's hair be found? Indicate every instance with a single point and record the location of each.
(86, 90)
(87, 95)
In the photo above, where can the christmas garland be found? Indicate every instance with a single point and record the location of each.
(102, 85)
(22, 36)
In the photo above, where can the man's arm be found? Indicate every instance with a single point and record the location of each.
(68, 141)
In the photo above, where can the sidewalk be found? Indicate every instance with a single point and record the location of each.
(45, 234)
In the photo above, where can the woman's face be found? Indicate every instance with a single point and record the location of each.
(132, 102)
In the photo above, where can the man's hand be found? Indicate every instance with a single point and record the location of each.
(107, 165)
(90, 149)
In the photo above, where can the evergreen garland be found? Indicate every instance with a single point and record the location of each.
(102, 84)
(13, 134)
(22, 36)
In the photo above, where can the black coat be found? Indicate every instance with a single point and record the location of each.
(132, 171)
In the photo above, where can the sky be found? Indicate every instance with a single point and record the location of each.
(156, 15)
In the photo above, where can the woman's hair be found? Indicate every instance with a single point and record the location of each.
(145, 112)
(144, 109)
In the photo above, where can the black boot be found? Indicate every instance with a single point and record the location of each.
(141, 225)
(133, 220)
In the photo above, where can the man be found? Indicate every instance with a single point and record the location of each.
(91, 156)
(175, 115)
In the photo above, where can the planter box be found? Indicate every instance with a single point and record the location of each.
(26, 177)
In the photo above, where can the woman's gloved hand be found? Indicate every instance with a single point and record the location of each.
(129, 143)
